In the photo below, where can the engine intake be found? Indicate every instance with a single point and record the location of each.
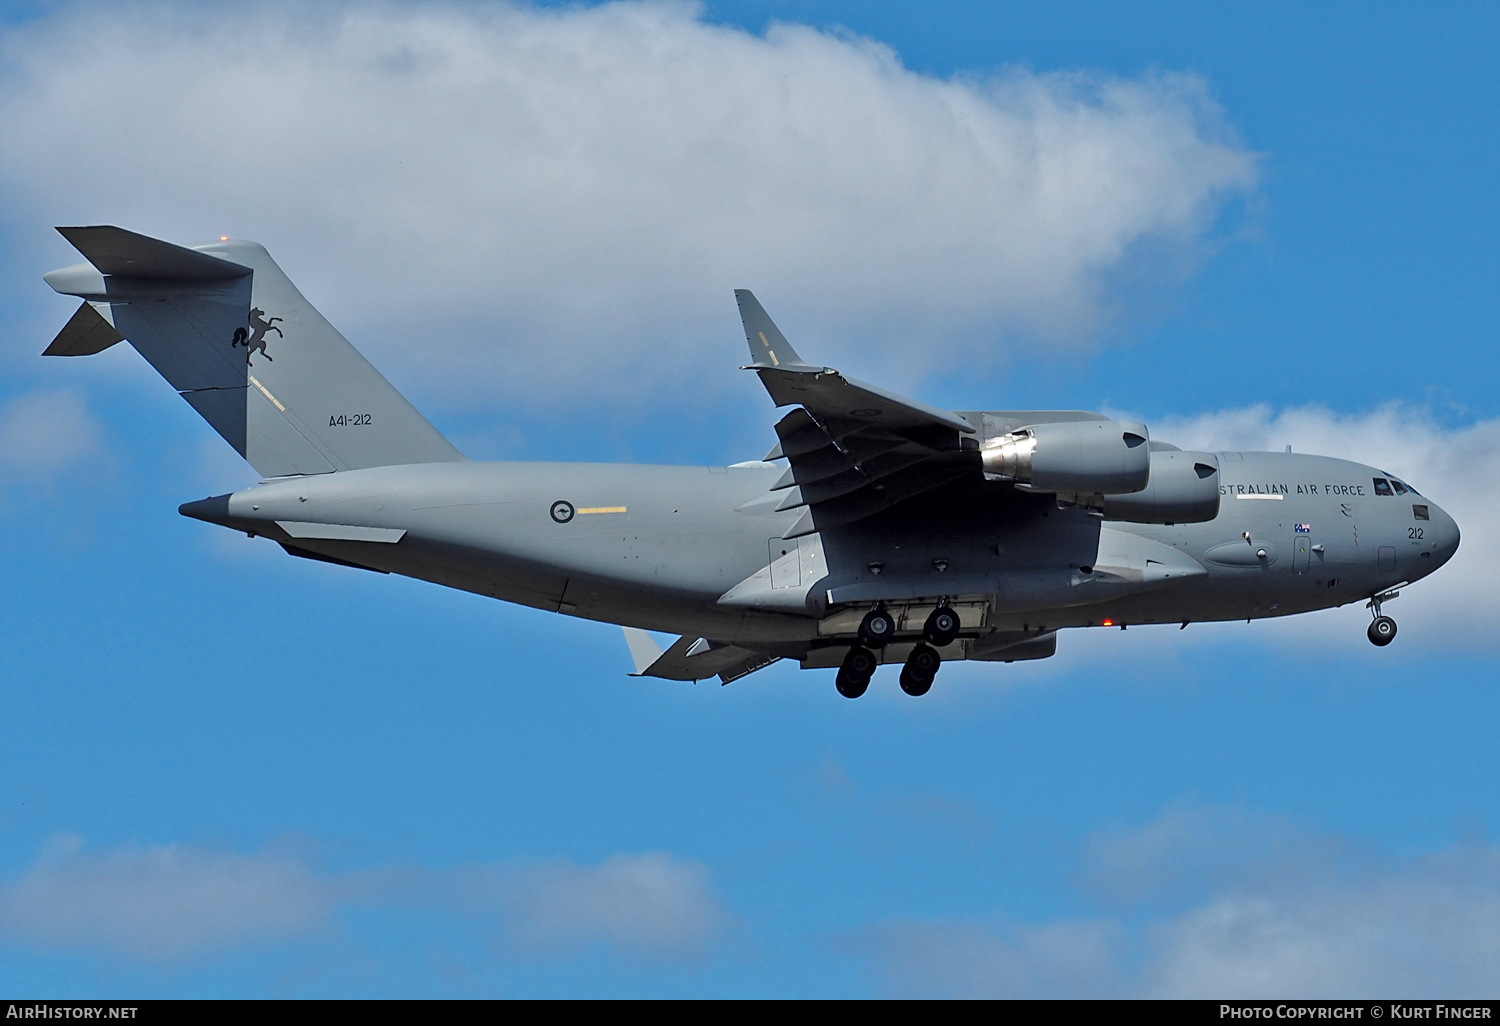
(1089, 457)
(1183, 489)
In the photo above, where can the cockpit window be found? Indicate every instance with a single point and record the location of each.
(1419, 512)
(1408, 488)
(1400, 488)
(1382, 487)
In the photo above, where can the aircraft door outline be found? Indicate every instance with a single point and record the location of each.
(1301, 549)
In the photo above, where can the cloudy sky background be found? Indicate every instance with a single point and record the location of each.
(231, 773)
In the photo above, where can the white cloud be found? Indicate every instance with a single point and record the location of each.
(43, 432)
(177, 903)
(968, 959)
(1300, 916)
(161, 904)
(509, 200)
(648, 906)
(1429, 929)
(1457, 468)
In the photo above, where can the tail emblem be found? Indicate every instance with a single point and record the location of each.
(256, 340)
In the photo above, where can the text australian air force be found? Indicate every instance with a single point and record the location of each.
(1285, 489)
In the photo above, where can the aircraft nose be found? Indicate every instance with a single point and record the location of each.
(1445, 535)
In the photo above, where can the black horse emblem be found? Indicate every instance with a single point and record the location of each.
(256, 339)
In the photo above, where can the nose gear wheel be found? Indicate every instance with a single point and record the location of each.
(1382, 629)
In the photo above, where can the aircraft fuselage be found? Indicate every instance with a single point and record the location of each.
(661, 547)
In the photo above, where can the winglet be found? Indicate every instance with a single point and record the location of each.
(643, 649)
(768, 346)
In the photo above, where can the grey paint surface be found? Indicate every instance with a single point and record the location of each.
(882, 501)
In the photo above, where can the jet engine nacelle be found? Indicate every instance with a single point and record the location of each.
(1183, 489)
(1087, 457)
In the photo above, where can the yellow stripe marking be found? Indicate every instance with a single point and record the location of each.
(267, 394)
(600, 509)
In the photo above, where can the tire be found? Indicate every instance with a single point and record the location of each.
(941, 627)
(877, 628)
(851, 687)
(1382, 631)
(920, 669)
(854, 675)
(914, 686)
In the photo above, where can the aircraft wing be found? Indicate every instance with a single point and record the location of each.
(854, 449)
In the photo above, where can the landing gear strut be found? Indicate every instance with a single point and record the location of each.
(1382, 629)
(854, 674)
(921, 666)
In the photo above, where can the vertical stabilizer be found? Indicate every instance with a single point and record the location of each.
(231, 333)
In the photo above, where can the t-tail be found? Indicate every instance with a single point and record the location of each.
(231, 333)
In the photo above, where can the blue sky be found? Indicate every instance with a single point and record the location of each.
(227, 772)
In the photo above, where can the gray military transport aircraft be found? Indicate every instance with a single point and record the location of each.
(896, 532)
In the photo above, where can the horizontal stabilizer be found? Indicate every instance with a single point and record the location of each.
(691, 658)
(116, 251)
(643, 649)
(86, 333)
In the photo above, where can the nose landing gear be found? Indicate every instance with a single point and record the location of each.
(1382, 629)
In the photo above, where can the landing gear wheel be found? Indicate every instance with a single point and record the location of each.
(941, 627)
(854, 674)
(921, 667)
(1382, 631)
(877, 628)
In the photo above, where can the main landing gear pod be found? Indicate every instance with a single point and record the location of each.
(876, 630)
